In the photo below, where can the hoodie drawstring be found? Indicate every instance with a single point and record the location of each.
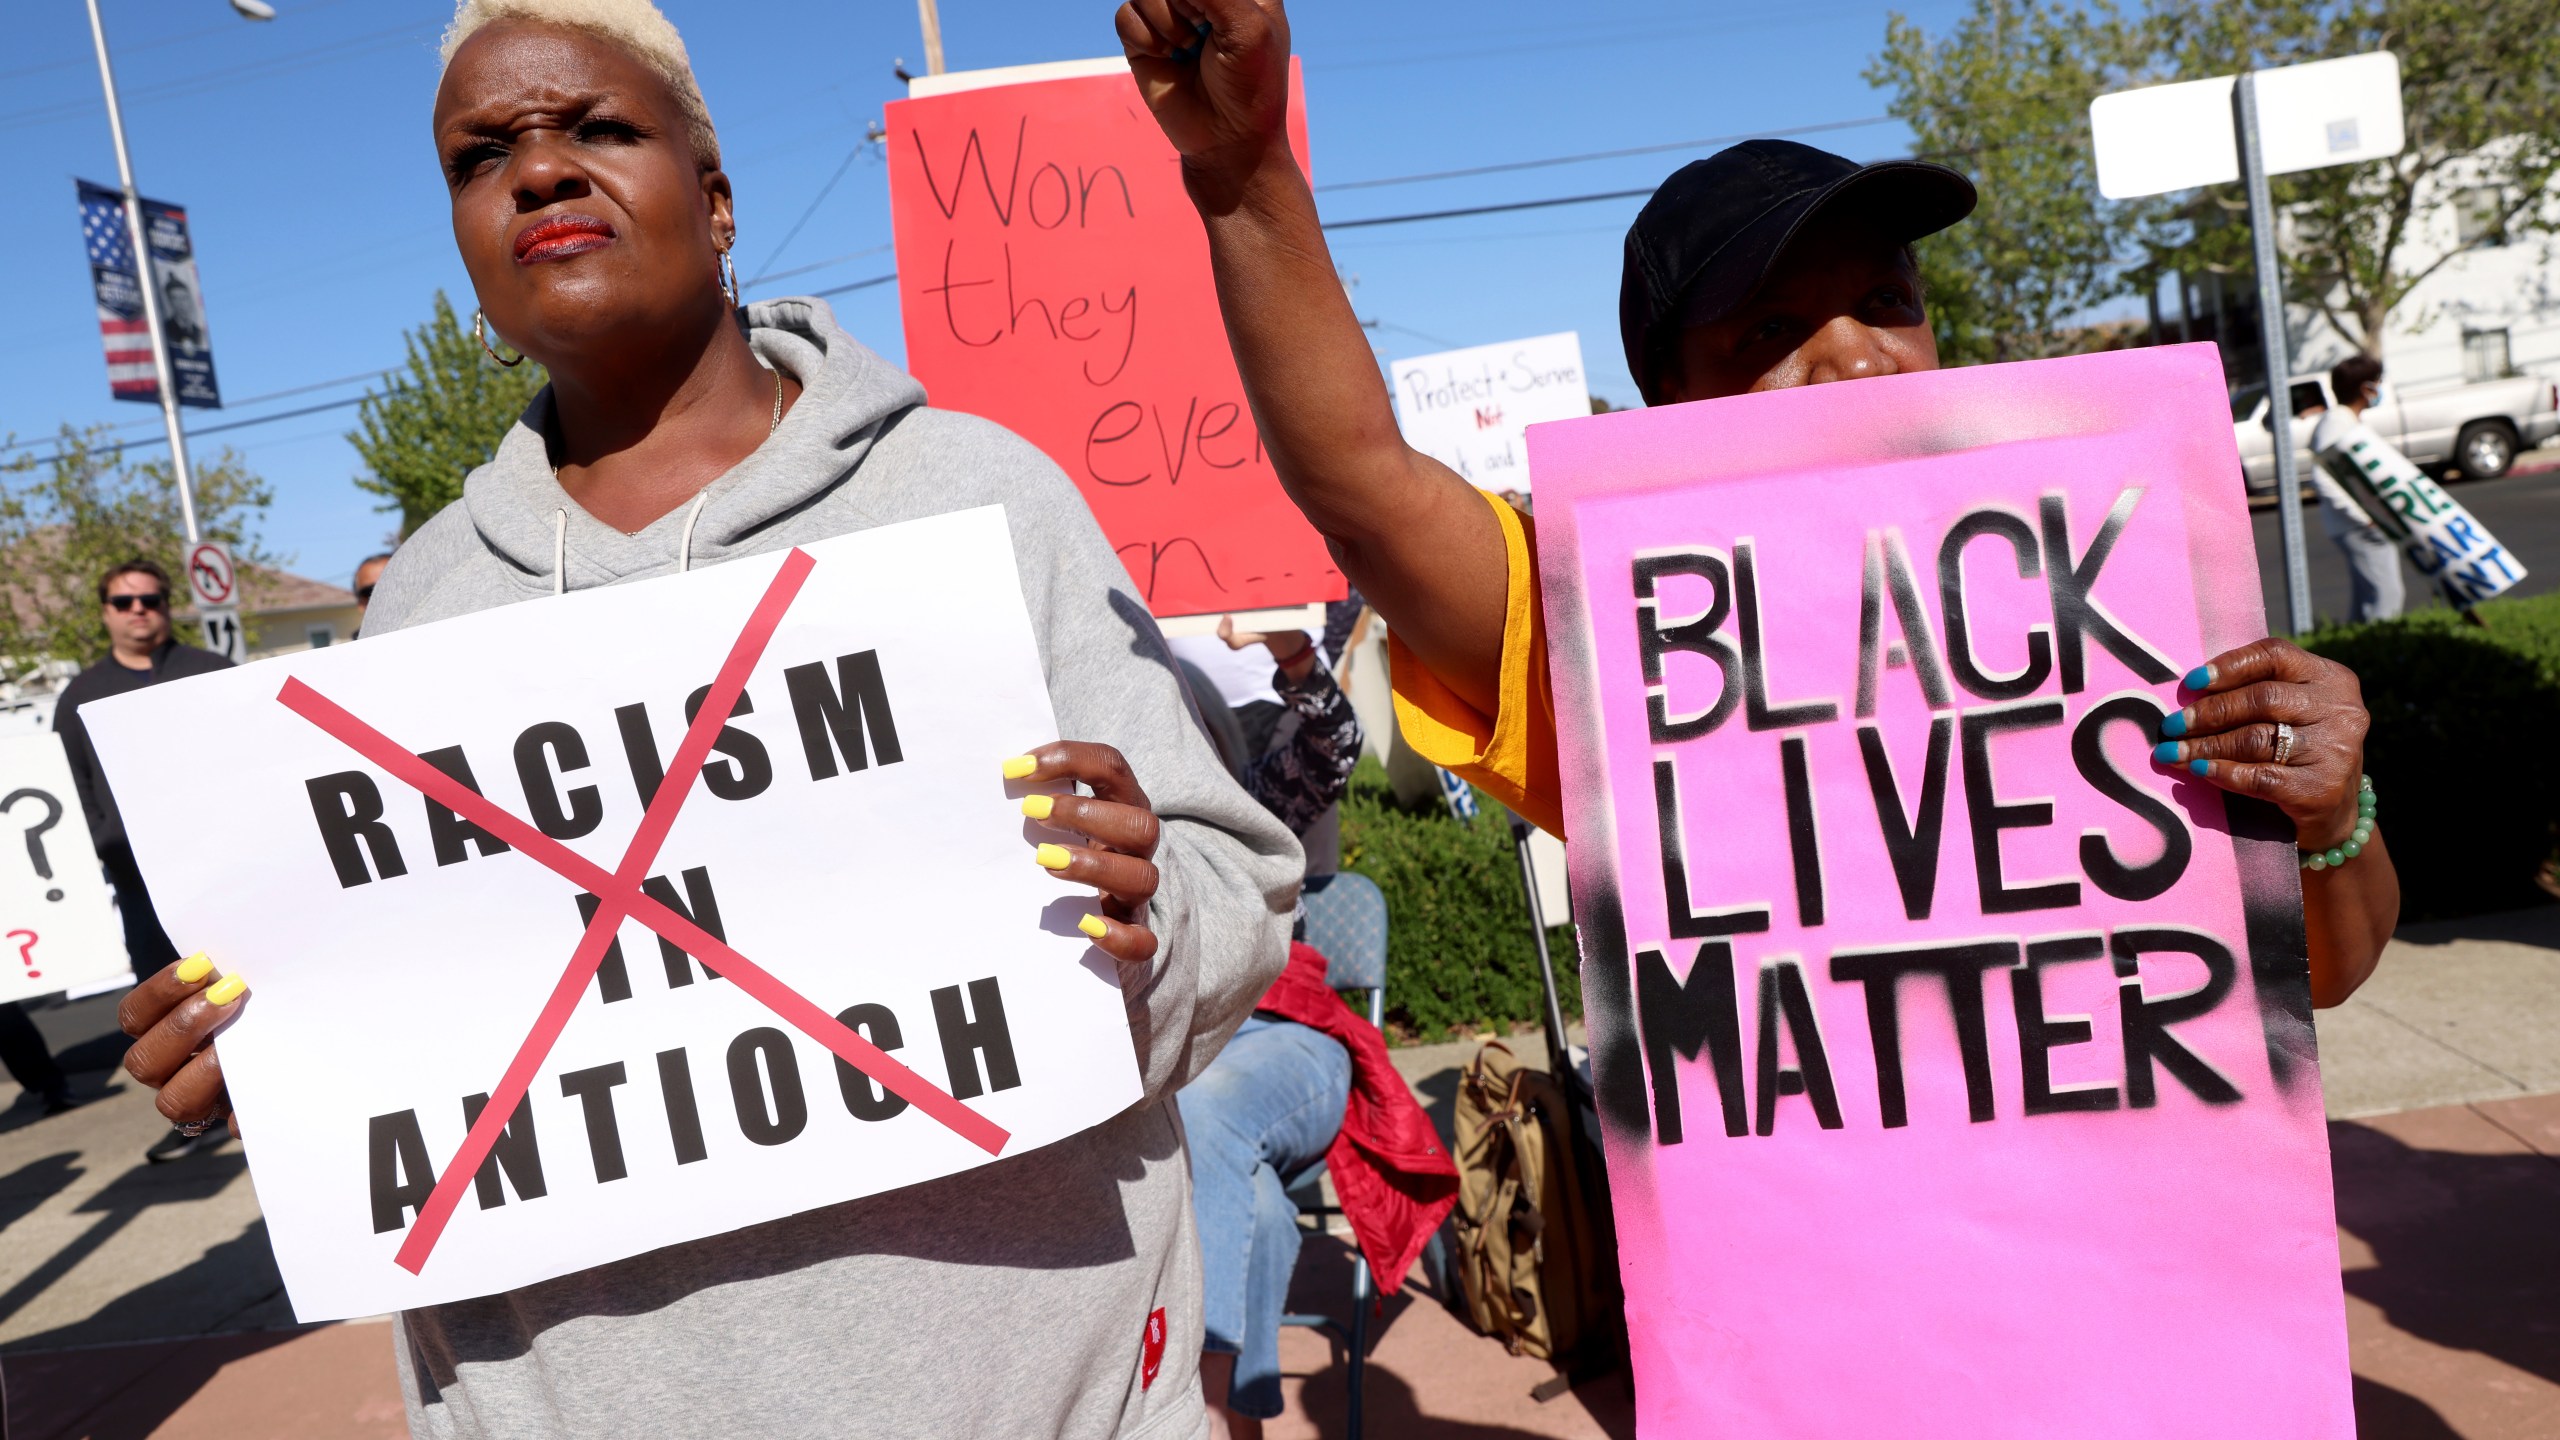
(560, 543)
(684, 549)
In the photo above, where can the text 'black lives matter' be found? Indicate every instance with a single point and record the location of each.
(1704, 659)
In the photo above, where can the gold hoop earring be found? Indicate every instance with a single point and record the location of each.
(480, 333)
(728, 275)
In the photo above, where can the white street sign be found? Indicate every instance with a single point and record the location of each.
(55, 915)
(2176, 137)
(418, 875)
(1467, 408)
(223, 634)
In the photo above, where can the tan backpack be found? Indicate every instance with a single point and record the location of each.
(1536, 1261)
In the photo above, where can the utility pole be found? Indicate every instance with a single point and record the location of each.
(168, 379)
(2271, 332)
(926, 10)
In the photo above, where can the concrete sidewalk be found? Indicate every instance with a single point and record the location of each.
(141, 1300)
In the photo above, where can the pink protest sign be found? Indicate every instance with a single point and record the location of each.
(1955, 1060)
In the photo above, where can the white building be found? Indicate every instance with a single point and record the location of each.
(2491, 310)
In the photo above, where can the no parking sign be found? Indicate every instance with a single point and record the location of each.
(215, 582)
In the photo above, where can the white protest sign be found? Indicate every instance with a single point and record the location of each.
(1467, 408)
(850, 872)
(2443, 540)
(55, 915)
(2175, 137)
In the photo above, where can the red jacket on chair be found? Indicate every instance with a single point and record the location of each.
(1395, 1178)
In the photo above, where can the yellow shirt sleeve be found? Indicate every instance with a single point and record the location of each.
(1512, 752)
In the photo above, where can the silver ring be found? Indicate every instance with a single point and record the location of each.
(2284, 743)
(195, 1129)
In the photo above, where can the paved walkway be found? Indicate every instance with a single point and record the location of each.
(141, 1301)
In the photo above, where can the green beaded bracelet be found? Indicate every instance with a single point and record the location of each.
(2353, 845)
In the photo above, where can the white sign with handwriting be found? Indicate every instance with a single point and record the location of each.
(1468, 408)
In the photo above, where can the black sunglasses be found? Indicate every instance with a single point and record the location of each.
(156, 600)
(364, 594)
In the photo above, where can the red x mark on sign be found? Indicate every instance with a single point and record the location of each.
(620, 895)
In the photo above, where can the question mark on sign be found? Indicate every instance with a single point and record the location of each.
(35, 836)
(27, 952)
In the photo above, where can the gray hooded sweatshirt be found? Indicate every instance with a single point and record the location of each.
(1010, 1301)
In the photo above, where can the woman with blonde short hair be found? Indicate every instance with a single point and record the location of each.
(1039, 1295)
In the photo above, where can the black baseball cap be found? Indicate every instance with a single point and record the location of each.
(1712, 232)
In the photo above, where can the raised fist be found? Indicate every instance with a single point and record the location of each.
(1216, 74)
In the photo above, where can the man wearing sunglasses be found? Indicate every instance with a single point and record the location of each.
(133, 600)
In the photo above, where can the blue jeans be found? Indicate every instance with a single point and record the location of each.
(1259, 1118)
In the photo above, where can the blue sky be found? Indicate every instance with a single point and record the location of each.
(299, 149)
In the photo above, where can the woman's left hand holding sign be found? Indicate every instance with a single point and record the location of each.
(173, 1017)
(2275, 721)
(1120, 831)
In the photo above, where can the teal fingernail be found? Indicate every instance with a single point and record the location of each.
(2201, 767)
(2166, 752)
(2199, 677)
(2174, 724)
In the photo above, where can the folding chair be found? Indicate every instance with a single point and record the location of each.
(1347, 921)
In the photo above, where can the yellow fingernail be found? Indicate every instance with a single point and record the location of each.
(1039, 806)
(1092, 925)
(194, 968)
(226, 990)
(1020, 767)
(1053, 857)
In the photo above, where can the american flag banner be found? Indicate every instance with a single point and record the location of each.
(121, 323)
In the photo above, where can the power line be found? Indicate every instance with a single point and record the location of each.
(767, 279)
(1584, 36)
(823, 192)
(314, 385)
(212, 80)
(146, 441)
(129, 47)
(1369, 220)
(239, 404)
(856, 285)
(1718, 141)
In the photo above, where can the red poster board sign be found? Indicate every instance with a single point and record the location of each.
(1055, 279)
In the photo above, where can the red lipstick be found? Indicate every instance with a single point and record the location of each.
(557, 237)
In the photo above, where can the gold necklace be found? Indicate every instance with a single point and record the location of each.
(770, 426)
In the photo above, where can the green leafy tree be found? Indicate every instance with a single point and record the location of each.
(66, 518)
(2004, 97)
(2480, 91)
(442, 416)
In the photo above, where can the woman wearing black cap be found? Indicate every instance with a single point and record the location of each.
(1764, 266)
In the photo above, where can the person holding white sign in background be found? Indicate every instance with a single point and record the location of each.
(2375, 591)
(1764, 266)
(1056, 1292)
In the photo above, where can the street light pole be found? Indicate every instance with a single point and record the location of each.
(2271, 332)
(167, 378)
(931, 14)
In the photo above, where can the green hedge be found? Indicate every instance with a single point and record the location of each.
(1460, 958)
(2464, 750)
